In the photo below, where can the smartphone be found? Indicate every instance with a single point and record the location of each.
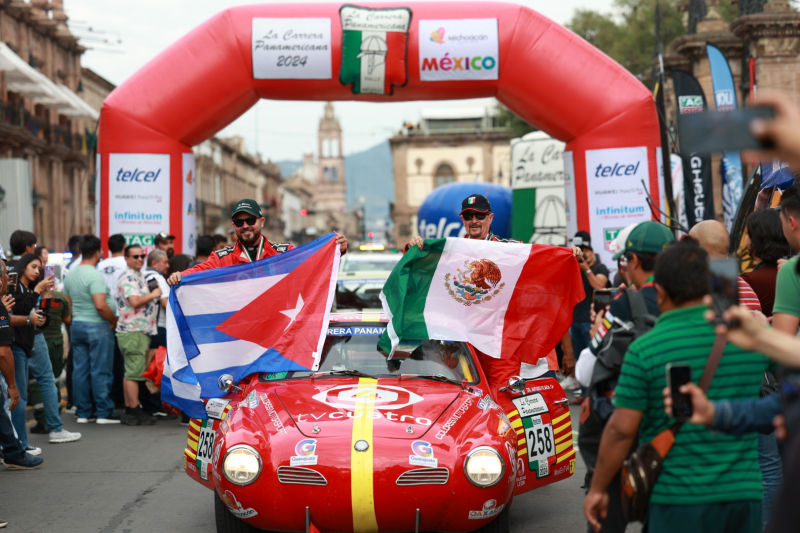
(677, 375)
(13, 277)
(49, 270)
(721, 131)
(602, 298)
(724, 285)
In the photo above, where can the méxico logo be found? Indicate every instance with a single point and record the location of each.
(478, 282)
(381, 396)
(374, 48)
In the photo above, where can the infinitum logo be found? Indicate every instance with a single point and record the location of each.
(624, 210)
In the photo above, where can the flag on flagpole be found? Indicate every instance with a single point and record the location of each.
(266, 316)
(509, 300)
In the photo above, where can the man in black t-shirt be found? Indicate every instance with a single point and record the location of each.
(595, 276)
(15, 457)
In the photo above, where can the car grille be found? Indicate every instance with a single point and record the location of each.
(296, 475)
(424, 476)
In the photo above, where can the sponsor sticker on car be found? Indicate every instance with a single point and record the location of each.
(422, 454)
(490, 508)
(538, 433)
(215, 408)
(304, 453)
(205, 448)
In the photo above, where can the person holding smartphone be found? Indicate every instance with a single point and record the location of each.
(708, 481)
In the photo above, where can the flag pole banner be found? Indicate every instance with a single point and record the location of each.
(725, 100)
(509, 300)
(697, 189)
(333, 52)
(267, 316)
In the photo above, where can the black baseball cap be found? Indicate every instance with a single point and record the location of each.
(582, 239)
(476, 202)
(247, 205)
(163, 236)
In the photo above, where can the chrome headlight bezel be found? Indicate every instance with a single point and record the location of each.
(250, 451)
(472, 454)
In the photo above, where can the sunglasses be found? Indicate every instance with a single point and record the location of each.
(468, 216)
(138, 256)
(239, 222)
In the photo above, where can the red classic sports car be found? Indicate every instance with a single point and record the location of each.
(366, 443)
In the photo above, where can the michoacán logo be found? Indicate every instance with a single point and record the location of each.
(138, 175)
(617, 169)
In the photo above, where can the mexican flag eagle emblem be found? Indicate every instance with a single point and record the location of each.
(374, 48)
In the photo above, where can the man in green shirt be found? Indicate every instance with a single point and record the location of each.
(786, 310)
(710, 482)
(93, 322)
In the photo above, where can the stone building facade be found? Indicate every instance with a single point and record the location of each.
(43, 120)
(769, 33)
(448, 146)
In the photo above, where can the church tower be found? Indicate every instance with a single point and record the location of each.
(329, 192)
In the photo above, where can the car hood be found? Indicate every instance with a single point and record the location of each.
(405, 408)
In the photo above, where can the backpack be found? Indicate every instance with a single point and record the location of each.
(597, 406)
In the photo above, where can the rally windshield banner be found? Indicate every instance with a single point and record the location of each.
(725, 99)
(696, 168)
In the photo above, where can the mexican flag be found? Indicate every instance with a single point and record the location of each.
(509, 300)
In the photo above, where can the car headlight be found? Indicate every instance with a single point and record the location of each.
(484, 467)
(241, 465)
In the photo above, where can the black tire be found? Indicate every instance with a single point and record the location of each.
(226, 522)
(501, 524)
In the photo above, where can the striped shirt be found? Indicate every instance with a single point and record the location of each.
(748, 297)
(703, 466)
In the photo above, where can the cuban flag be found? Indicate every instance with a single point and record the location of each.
(266, 316)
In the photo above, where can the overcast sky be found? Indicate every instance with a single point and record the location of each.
(276, 129)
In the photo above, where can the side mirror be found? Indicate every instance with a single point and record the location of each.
(516, 384)
(225, 383)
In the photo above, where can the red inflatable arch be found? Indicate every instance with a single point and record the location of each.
(370, 52)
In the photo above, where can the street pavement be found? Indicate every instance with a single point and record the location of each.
(121, 479)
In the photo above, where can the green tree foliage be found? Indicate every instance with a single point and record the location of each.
(509, 120)
(628, 34)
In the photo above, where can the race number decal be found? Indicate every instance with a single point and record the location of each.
(205, 448)
(538, 433)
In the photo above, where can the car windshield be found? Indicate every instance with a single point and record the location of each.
(352, 349)
(371, 263)
(361, 293)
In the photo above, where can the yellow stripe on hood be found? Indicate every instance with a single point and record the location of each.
(361, 468)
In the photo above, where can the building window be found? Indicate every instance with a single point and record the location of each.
(444, 175)
(335, 175)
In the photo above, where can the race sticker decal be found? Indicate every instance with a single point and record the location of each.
(490, 508)
(422, 454)
(236, 508)
(455, 417)
(205, 448)
(374, 48)
(304, 453)
(538, 433)
(273, 414)
(215, 408)
(384, 397)
(251, 400)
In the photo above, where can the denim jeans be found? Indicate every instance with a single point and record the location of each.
(12, 448)
(39, 367)
(92, 367)
(770, 462)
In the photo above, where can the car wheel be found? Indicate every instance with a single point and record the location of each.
(501, 524)
(226, 522)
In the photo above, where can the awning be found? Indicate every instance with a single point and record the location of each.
(26, 80)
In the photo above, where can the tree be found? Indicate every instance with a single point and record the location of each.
(509, 120)
(628, 35)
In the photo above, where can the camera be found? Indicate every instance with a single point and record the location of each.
(152, 284)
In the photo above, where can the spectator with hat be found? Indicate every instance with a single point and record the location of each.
(595, 276)
(250, 245)
(164, 241)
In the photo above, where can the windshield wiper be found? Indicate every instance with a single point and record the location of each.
(347, 372)
(437, 377)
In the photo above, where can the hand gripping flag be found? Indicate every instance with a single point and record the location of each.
(266, 316)
(509, 300)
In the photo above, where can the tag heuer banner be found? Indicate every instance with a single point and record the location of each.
(698, 191)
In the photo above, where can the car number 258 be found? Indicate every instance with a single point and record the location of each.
(540, 441)
(205, 444)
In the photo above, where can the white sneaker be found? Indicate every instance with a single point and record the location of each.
(82, 420)
(570, 383)
(63, 436)
(110, 420)
(33, 450)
